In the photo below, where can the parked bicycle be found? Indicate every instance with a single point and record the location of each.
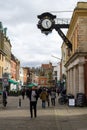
(63, 100)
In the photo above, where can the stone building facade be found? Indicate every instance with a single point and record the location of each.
(76, 65)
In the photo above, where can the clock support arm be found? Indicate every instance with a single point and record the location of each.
(57, 28)
(47, 24)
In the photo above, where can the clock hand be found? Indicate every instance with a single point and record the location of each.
(47, 23)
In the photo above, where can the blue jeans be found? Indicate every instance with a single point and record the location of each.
(43, 104)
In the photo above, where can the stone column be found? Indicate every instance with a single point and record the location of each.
(74, 81)
(81, 78)
(68, 81)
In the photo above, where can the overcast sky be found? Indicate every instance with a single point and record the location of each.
(29, 45)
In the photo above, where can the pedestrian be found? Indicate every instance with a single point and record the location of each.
(43, 97)
(53, 96)
(58, 91)
(23, 93)
(4, 96)
(48, 98)
(33, 97)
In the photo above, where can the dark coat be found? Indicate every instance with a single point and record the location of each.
(29, 92)
(4, 95)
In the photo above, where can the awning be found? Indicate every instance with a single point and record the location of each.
(32, 85)
(12, 81)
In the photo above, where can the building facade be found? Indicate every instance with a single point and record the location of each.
(5, 52)
(2, 53)
(56, 72)
(76, 65)
(9, 65)
(15, 67)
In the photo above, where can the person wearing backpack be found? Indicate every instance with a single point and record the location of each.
(33, 97)
(53, 97)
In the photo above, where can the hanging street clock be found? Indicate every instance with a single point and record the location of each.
(46, 22)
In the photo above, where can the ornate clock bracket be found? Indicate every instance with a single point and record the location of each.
(57, 27)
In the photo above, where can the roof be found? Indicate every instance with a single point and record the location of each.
(47, 66)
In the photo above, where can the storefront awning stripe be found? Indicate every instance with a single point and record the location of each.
(13, 81)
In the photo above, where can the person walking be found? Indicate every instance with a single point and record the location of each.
(23, 93)
(43, 97)
(4, 96)
(53, 96)
(48, 98)
(33, 97)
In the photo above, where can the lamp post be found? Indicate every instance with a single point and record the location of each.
(56, 57)
(59, 68)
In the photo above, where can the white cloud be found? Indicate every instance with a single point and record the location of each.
(29, 45)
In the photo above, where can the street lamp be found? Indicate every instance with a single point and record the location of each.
(56, 57)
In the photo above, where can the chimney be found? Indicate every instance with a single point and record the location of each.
(5, 31)
(1, 27)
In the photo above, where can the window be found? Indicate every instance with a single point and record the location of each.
(0, 56)
(0, 71)
(42, 81)
(55, 73)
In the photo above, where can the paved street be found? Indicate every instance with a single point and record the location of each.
(59, 117)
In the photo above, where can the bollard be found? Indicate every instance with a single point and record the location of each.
(19, 102)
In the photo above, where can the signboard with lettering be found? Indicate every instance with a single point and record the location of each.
(5, 78)
(81, 99)
(5, 81)
(72, 102)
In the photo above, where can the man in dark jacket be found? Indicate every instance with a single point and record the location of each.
(33, 97)
(4, 98)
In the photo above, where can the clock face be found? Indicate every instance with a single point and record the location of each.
(46, 23)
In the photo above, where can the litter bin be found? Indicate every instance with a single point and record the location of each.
(71, 100)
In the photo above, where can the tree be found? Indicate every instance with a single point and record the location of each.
(50, 78)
